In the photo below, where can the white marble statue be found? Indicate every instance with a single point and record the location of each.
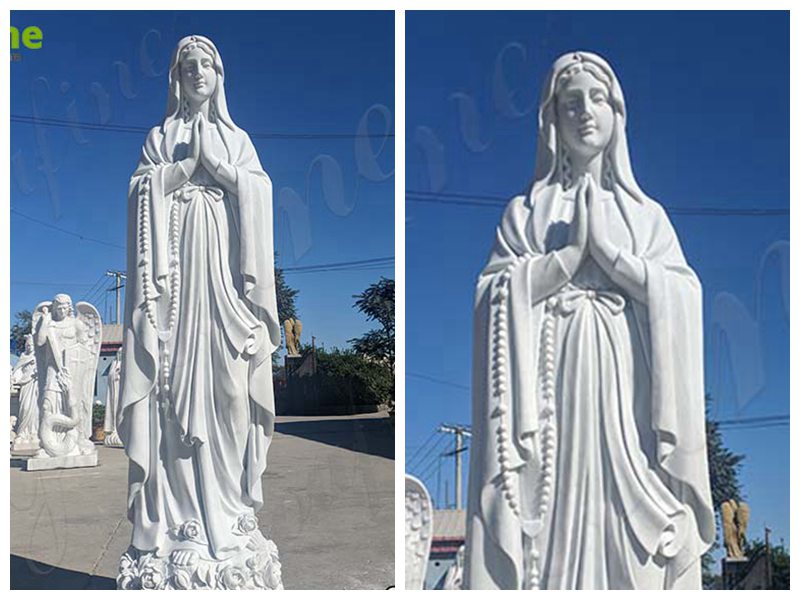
(67, 341)
(112, 401)
(24, 375)
(588, 466)
(197, 412)
(419, 532)
(454, 578)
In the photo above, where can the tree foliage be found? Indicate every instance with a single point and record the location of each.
(286, 297)
(377, 303)
(780, 561)
(373, 381)
(20, 328)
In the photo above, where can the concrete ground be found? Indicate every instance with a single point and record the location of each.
(329, 506)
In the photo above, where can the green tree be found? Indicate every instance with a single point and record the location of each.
(377, 302)
(370, 381)
(286, 297)
(20, 328)
(780, 561)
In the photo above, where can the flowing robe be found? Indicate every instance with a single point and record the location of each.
(628, 500)
(24, 375)
(198, 451)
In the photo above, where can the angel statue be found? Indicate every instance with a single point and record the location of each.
(112, 401)
(588, 466)
(67, 350)
(196, 412)
(24, 375)
(735, 516)
(292, 329)
(419, 532)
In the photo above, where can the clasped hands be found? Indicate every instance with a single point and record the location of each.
(589, 230)
(201, 150)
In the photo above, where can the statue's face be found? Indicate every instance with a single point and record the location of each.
(585, 115)
(61, 310)
(198, 76)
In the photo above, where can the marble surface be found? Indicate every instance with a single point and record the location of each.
(75, 461)
(588, 463)
(419, 532)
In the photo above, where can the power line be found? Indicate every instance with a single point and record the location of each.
(496, 201)
(437, 380)
(746, 420)
(85, 238)
(342, 266)
(418, 450)
(63, 123)
(50, 283)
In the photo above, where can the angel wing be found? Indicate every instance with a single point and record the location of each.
(298, 329)
(88, 315)
(728, 528)
(92, 339)
(40, 352)
(419, 532)
(742, 517)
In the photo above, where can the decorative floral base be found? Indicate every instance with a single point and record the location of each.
(256, 568)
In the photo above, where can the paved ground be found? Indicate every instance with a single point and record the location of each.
(329, 490)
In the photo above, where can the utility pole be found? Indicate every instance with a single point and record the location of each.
(118, 276)
(461, 432)
(768, 552)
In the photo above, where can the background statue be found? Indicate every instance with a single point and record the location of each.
(454, 578)
(588, 465)
(197, 412)
(419, 532)
(24, 375)
(292, 329)
(67, 345)
(734, 525)
(112, 402)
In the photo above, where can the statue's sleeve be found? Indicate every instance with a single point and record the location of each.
(675, 323)
(508, 314)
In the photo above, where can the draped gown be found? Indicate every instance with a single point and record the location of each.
(593, 387)
(199, 450)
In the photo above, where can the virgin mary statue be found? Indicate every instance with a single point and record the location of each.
(197, 409)
(588, 467)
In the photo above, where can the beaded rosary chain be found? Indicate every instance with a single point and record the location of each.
(174, 273)
(499, 374)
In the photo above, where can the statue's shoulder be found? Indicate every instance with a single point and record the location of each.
(517, 207)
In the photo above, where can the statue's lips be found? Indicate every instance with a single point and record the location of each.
(587, 130)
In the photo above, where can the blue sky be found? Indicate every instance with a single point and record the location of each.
(286, 72)
(708, 126)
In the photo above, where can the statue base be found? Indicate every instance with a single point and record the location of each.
(256, 567)
(61, 462)
(24, 446)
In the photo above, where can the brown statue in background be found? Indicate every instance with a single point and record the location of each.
(734, 523)
(292, 328)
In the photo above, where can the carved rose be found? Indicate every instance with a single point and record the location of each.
(191, 530)
(181, 579)
(247, 523)
(233, 578)
(153, 577)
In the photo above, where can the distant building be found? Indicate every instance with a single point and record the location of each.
(449, 531)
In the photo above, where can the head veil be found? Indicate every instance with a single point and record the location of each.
(178, 107)
(552, 172)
